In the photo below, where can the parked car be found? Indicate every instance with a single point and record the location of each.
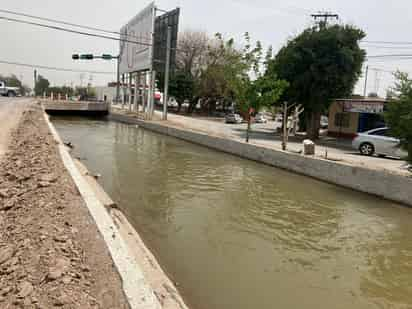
(260, 118)
(233, 118)
(378, 141)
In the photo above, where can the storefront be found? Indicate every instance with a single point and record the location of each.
(350, 116)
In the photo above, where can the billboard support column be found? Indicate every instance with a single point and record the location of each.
(152, 88)
(130, 102)
(118, 81)
(167, 68)
(123, 92)
(136, 92)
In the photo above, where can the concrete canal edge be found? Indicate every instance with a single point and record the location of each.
(132, 259)
(380, 183)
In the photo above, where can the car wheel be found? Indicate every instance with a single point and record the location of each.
(11, 94)
(367, 149)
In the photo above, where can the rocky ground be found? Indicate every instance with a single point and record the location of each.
(51, 253)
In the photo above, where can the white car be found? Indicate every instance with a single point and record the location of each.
(260, 118)
(233, 118)
(378, 141)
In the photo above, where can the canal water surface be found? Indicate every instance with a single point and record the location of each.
(238, 234)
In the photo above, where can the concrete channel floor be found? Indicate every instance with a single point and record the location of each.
(261, 137)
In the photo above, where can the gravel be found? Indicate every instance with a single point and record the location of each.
(51, 253)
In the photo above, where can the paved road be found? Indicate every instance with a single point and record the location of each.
(10, 112)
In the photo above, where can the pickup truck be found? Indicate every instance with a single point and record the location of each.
(8, 91)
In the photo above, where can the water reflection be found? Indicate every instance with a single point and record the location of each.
(237, 234)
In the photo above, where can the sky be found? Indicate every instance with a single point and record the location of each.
(271, 22)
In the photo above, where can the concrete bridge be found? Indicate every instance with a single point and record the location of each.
(76, 107)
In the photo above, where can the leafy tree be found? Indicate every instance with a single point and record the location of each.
(223, 61)
(181, 87)
(320, 64)
(399, 112)
(42, 85)
(251, 94)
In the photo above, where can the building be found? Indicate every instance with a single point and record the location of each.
(106, 93)
(350, 116)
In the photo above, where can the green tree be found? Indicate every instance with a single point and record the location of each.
(320, 64)
(223, 61)
(252, 90)
(181, 87)
(42, 86)
(399, 112)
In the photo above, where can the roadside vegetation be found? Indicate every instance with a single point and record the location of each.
(399, 112)
(322, 63)
(43, 87)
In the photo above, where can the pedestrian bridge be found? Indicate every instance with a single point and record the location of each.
(75, 107)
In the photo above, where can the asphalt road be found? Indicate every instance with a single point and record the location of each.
(10, 112)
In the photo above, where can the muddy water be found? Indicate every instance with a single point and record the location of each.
(237, 234)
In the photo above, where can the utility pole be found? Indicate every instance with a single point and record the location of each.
(35, 80)
(366, 81)
(324, 16)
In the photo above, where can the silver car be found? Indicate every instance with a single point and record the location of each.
(378, 141)
(233, 118)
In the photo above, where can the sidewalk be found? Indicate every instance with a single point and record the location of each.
(262, 136)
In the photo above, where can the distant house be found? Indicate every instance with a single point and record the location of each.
(350, 116)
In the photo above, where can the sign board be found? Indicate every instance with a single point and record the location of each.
(169, 19)
(137, 57)
(369, 107)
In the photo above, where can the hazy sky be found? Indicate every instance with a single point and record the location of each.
(272, 22)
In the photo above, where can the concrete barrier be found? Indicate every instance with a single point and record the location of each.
(75, 107)
(381, 183)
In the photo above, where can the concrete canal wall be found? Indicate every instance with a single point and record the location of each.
(381, 183)
(144, 282)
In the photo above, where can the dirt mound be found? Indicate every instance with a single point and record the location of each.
(51, 253)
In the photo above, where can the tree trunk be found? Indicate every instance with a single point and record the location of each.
(313, 125)
(248, 128)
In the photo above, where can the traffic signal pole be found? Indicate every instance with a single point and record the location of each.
(104, 57)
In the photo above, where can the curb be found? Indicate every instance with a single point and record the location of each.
(138, 292)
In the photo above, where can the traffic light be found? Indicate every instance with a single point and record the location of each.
(107, 57)
(87, 57)
(75, 57)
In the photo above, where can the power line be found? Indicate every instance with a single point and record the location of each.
(54, 68)
(391, 55)
(73, 31)
(64, 22)
(390, 47)
(389, 42)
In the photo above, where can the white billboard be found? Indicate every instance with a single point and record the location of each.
(137, 57)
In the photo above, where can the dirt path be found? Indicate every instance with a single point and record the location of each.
(10, 112)
(51, 253)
